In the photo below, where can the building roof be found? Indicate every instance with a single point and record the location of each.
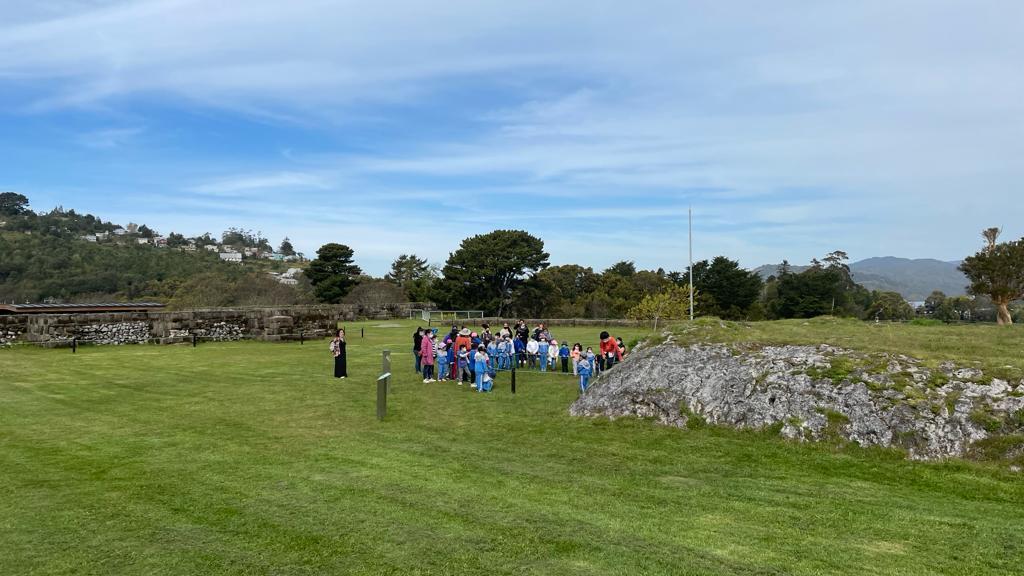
(79, 308)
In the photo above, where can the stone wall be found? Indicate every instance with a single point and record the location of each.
(165, 327)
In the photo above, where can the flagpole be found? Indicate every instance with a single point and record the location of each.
(690, 216)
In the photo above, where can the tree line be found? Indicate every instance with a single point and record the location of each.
(504, 273)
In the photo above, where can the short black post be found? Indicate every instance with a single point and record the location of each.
(195, 339)
(74, 345)
(362, 332)
(302, 337)
(514, 378)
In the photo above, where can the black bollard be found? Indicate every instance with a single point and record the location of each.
(362, 332)
(74, 345)
(302, 337)
(195, 339)
(513, 378)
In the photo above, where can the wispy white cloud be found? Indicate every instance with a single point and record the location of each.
(241, 185)
(792, 130)
(108, 138)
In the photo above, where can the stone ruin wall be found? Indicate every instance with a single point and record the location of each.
(170, 327)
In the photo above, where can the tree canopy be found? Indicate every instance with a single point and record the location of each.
(13, 204)
(333, 273)
(997, 271)
(486, 269)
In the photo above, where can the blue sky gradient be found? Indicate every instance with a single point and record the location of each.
(793, 128)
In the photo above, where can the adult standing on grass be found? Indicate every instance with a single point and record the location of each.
(417, 341)
(340, 359)
(427, 356)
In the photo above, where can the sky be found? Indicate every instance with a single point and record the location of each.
(792, 128)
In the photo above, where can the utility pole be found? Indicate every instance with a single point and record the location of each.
(690, 274)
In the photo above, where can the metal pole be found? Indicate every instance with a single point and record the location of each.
(690, 216)
(362, 332)
(194, 339)
(302, 337)
(385, 365)
(514, 375)
(74, 345)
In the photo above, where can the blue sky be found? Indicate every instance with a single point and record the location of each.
(793, 128)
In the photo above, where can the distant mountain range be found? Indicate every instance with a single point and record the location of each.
(914, 279)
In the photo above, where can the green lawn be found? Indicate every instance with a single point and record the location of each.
(997, 349)
(248, 458)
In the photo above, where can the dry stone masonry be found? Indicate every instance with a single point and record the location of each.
(116, 333)
(815, 393)
(271, 324)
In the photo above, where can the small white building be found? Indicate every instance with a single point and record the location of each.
(211, 247)
(230, 256)
(160, 241)
(142, 240)
(120, 231)
(88, 237)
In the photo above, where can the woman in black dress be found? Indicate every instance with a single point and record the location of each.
(338, 350)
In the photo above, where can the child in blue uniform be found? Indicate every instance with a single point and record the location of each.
(542, 354)
(583, 369)
(442, 362)
(481, 367)
(563, 354)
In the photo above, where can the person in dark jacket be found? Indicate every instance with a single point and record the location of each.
(339, 353)
(417, 342)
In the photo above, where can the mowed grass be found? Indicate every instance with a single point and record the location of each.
(249, 458)
(997, 349)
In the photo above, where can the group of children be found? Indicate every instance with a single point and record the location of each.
(465, 356)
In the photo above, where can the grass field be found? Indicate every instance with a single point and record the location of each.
(248, 458)
(999, 350)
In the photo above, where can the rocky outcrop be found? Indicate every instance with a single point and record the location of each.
(812, 393)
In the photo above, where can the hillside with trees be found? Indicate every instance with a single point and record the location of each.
(64, 256)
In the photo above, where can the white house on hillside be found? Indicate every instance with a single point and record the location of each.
(230, 256)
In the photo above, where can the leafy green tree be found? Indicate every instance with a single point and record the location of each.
(672, 303)
(486, 270)
(333, 272)
(997, 271)
(13, 204)
(286, 247)
(175, 240)
(624, 269)
(934, 301)
(407, 268)
(146, 231)
(728, 290)
(889, 306)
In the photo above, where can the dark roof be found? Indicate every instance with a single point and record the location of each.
(69, 308)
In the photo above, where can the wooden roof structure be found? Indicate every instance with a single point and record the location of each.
(90, 308)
